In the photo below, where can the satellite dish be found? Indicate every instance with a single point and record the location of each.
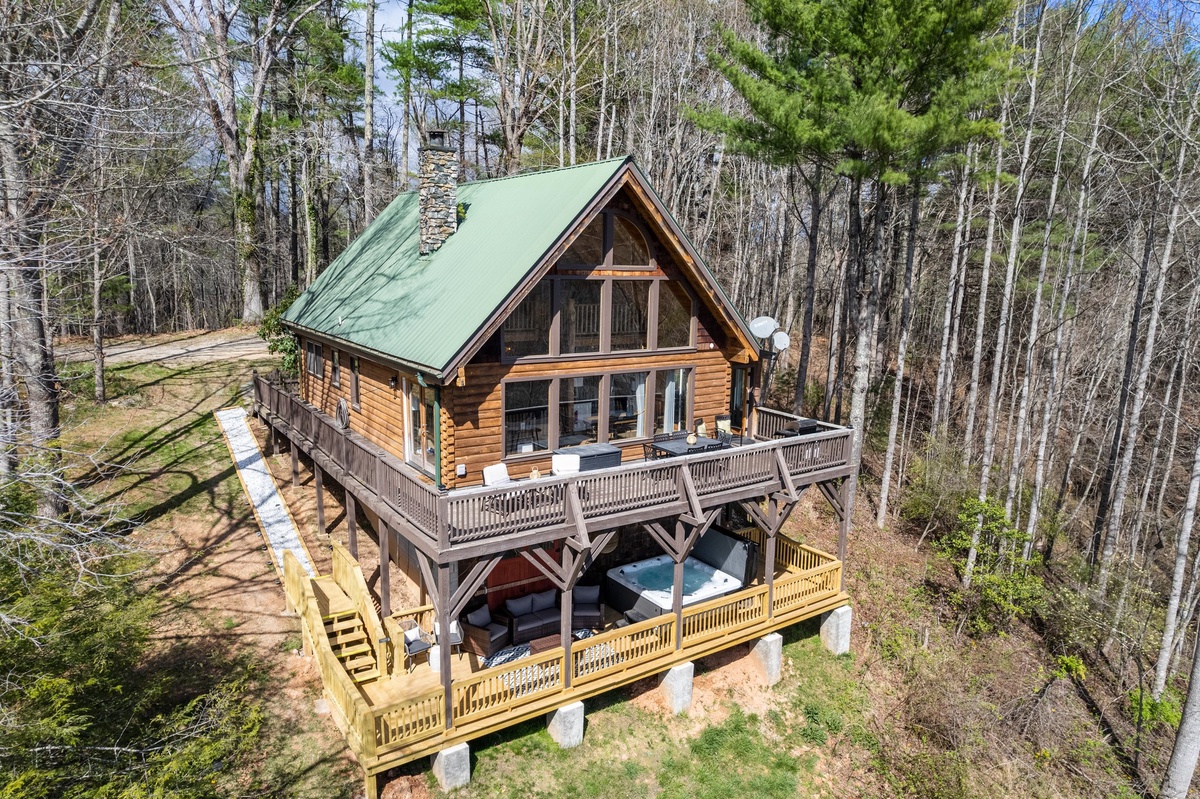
(763, 326)
(781, 341)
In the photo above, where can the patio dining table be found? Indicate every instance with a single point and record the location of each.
(679, 446)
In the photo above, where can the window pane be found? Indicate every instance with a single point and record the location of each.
(627, 406)
(674, 315)
(630, 300)
(580, 316)
(588, 249)
(629, 247)
(527, 329)
(526, 413)
(670, 400)
(335, 375)
(578, 410)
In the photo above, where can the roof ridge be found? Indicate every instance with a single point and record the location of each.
(621, 158)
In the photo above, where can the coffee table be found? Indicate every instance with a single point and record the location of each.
(544, 644)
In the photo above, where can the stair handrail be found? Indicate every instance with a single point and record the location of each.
(348, 575)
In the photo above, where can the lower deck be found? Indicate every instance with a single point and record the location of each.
(402, 715)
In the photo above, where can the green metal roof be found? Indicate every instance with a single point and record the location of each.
(382, 296)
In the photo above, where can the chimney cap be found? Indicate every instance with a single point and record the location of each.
(437, 140)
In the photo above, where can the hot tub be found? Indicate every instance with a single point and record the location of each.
(647, 585)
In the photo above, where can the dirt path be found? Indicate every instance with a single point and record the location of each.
(172, 349)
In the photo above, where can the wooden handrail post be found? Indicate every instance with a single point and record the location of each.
(443, 522)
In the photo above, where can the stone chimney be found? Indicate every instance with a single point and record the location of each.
(438, 203)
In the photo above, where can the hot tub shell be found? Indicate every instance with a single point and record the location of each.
(624, 593)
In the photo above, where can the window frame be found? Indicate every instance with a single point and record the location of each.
(606, 293)
(554, 398)
(335, 368)
(355, 387)
(314, 360)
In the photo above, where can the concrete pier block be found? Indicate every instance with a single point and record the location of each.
(769, 651)
(835, 630)
(565, 725)
(452, 766)
(676, 685)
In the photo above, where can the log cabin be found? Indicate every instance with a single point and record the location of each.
(540, 397)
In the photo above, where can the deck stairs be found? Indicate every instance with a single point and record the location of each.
(347, 634)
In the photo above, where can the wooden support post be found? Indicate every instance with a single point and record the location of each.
(295, 465)
(677, 602)
(385, 570)
(272, 441)
(567, 605)
(443, 613)
(319, 482)
(352, 524)
(771, 575)
(847, 502)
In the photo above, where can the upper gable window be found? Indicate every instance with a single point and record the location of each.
(588, 248)
(527, 329)
(629, 245)
(612, 241)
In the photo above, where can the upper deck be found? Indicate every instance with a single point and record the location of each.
(450, 525)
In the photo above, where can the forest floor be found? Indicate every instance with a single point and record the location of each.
(918, 708)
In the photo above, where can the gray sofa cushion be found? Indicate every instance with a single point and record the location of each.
(528, 622)
(543, 600)
(587, 594)
(480, 617)
(548, 616)
(519, 606)
(496, 632)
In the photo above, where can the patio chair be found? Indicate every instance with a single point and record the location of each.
(495, 475)
(587, 611)
(415, 641)
(564, 464)
(482, 635)
(699, 427)
(456, 635)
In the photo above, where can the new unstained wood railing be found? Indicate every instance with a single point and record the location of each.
(533, 684)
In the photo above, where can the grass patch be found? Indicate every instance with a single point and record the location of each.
(733, 758)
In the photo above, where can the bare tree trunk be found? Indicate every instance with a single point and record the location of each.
(1113, 527)
(914, 211)
(1187, 741)
(940, 401)
(368, 157)
(1001, 343)
(812, 231)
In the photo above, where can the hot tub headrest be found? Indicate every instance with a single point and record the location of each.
(732, 554)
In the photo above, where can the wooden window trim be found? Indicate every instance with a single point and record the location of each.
(606, 351)
(355, 388)
(602, 417)
(335, 368)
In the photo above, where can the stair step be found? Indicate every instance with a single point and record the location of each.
(347, 637)
(344, 623)
(360, 662)
(367, 676)
(348, 651)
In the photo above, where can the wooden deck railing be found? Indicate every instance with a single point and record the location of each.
(470, 515)
(349, 577)
(402, 728)
(353, 712)
(507, 688)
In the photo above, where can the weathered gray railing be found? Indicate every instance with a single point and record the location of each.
(768, 422)
(474, 514)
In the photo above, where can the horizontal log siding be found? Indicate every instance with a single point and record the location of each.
(478, 415)
(381, 415)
